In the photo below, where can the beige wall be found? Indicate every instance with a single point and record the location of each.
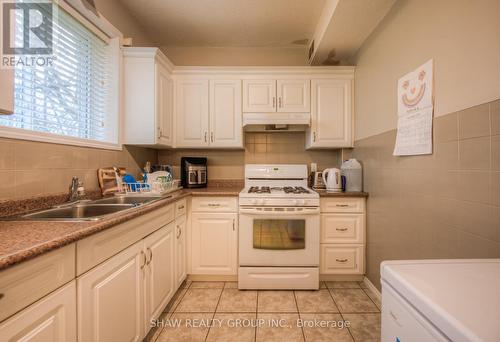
(237, 56)
(123, 20)
(260, 148)
(444, 205)
(30, 169)
(460, 35)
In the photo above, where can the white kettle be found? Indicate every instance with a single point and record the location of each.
(333, 180)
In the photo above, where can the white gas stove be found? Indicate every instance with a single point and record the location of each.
(279, 229)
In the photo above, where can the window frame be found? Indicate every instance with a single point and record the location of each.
(104, 29)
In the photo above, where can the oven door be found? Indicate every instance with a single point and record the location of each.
(279, 237)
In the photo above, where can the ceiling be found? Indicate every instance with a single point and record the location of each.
(227, 23)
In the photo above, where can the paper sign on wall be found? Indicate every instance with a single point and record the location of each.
(415, 112)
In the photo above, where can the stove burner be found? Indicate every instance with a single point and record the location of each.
(295, 190)
(259, 190)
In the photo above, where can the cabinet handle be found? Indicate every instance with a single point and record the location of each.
(214, 205)
(180, 207)
(279, 101)
(143, 255)
(341, 229)
(1, 295)
(150, 256)
(179, 231)
(274, 102)
(314, 136)
(212, 136)
(341, 260)
(234, 225)
(205, 136)
(342, 205)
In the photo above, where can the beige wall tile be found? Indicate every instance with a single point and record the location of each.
(475, 153)
(495, 152)
(32, 182)
(446, 128)
(495, 117)
(474, 122)
(8, 186)
(446, 155)
(7, 155)
(495, 189)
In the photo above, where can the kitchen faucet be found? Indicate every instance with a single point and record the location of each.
(73, 190)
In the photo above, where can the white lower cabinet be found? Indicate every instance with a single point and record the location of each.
(342, 249)
(51, 319)
(118, 299)
(214, 241)
(111, 298)
(160, 259)
(180, 250)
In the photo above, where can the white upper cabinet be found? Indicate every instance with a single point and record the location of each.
(148, 94)
(225, 113)
(294, 96)
(6, 91)
(331, 114)
(285, 96)
(192, 113)
(208, 121)
(259, 96)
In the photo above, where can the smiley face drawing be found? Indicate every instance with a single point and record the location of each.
(414, 90)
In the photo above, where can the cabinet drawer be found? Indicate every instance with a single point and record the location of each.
(342, 259)
(99, 247)
(215, 204)
(180, 207)
(25, 283)
(342, 228)
(343, 205)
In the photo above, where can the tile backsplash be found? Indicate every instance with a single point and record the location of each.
(260, 148)
(444, 205)
(30, 169)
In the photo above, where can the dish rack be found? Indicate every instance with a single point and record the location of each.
(151, 188)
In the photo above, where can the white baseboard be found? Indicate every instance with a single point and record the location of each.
(372, 288)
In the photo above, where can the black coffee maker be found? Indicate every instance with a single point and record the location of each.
(194, 172)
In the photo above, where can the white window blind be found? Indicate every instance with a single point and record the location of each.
(70, 98)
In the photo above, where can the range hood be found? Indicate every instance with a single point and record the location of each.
(281, 121)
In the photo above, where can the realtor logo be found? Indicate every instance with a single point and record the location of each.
(27, 32)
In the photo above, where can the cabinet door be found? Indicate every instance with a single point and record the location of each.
(164, 103)
(110, 298)
(180, 250)
(6, 91)
(214, 243)
(192, 113)
(259, 96)
(225, 114)
(294, 96)
(51, 319)
(331, 114)
(160, 270)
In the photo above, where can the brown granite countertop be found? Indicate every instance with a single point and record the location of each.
(324, 193)
(24, 240)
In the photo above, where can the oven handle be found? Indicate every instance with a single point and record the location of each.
(253, 211)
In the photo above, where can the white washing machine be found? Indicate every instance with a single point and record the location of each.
(441, 300)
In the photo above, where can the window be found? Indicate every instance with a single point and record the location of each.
(74, 97)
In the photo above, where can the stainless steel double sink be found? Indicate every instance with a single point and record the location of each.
(89, 210)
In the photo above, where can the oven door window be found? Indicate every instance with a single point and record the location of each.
(275, 234)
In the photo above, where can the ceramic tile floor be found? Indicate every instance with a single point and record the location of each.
(272, 315)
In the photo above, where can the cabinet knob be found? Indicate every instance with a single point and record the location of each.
(205, 136)
(314, 136)
(150, 256)
(279, 102)
(274, 102)
(341, 229)
(144, 259)
(341, 260)
(212, 136)
(179, 231)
